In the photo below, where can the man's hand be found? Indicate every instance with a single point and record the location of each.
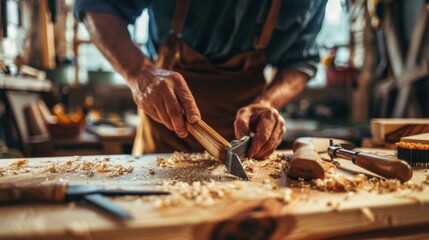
(163, 95)
(267, 125)
(166, 98)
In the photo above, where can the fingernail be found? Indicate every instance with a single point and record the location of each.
(194, 119)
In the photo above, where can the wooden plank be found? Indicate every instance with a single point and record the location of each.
(419, 138)
(390, 130)
(342, 213)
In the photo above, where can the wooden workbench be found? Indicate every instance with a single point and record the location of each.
(248, 214)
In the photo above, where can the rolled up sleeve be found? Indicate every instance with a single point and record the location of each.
(299, 51)
(128, 10)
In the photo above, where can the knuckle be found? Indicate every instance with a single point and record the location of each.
(163, 116)
(265, 135)
(188, 103)
(240, 123)
(242, 111)
(177, 77)
(164, 85)
(272, 144)
(268, 114)
(180, 130)
(174, 112)
(283, 130)
(187, 99)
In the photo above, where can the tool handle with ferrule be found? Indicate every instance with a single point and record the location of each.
(12, 193)
(384, 166)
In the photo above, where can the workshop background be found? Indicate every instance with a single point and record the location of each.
(59, 96)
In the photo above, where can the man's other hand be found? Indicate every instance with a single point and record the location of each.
(267, 125)
(166, 98)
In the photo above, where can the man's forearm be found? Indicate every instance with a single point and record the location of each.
(162, 94)
(286, 85)
(110, 34)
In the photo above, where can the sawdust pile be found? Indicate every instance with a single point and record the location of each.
(208, 193)
(90, 168)
(15, 168)
(276, 163)
(340, 183)
(181, 157)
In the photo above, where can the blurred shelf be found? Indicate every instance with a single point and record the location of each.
(25, 84)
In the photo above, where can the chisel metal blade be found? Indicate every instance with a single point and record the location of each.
(234, 166)
(233, 156)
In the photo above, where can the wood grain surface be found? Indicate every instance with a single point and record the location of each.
(248, 212)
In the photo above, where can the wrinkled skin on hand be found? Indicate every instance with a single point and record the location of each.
(166, 98)
(267, 125)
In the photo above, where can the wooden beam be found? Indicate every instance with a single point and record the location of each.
(404, 83)
(46, 31)
(392, 43)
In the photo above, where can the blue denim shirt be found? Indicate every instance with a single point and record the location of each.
(220, 29)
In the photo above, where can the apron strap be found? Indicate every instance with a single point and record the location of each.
(270, 22)
(179, 16)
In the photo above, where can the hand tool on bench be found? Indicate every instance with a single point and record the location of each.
(62, 192)
(230, 154)
(306, 162)
(387, 167)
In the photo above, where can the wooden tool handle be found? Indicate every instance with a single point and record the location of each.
(384, 166)
(306, 162)
(214, 143)
(11, 193)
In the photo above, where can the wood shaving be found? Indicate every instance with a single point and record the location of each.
(17, 164)
(196, 193)
(15, 168)
(287, 196)
(368, 214)
(208, 193)
(276, 162)
(340, 183)
(276, 174)
(89, 168)
(335, 205)
(181, 157)
(151, 171)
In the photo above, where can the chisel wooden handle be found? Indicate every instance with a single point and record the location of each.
(214, 143)
(11, 193)
(384, 166)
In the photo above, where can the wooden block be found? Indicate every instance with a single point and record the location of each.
(369, 143)
(392, 130)
(419, 138)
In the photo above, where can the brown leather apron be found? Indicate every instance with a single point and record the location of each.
(219, 89)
